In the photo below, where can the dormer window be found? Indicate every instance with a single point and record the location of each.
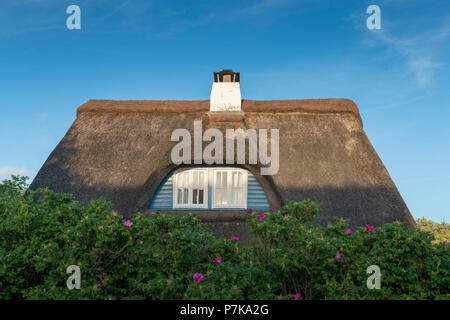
(210, 188)
(228, 187)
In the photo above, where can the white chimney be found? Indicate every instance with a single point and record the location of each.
(225, 92)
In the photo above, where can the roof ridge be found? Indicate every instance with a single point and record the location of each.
(331, 105)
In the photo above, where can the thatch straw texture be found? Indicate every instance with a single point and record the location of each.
(121, 150)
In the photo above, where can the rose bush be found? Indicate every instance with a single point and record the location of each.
(174, 257)
(330, 262)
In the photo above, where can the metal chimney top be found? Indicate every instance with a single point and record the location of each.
(226, 75)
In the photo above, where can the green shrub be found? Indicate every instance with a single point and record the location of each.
(156, 257)
(440, 231)
(330, 262)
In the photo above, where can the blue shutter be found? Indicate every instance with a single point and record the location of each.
(163, 197)
(256, 196)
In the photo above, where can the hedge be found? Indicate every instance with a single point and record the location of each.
(42, 233)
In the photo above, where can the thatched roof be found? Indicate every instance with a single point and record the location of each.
(121, 150)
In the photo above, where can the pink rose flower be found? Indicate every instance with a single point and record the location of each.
(261, 216)
(218, 260)
(249, 211)
(339, 256)
(127, 223)
(162, 236)
(297, 296)
(348, 231)
(369, 228)
(198, 277)
(235, 239)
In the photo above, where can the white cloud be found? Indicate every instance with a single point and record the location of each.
(116, 9)
(43, 117)
(419, 40)
(6, 172)
(423, 69)
(419, 52)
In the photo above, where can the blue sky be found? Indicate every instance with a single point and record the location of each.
(399, 76)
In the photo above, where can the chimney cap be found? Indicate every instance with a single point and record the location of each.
(226, 75)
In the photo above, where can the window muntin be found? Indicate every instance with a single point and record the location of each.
(191, 189)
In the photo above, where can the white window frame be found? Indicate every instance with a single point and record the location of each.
(190, 205)
(229, 188)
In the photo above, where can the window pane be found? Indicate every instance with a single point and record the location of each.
(200, 197)
(201, 178)
(182, 180)
(240, 196)
(195, 178)
(237, 196)
(185, 179)
(218, 179)
(197, 196)
(224, 179)
(221, 179)
(238, 179)
(179, 196)
(194, 196)
(233, 196)
(221, 187)
(237, 188)
(185, 195)
(221, 196)
(218, 196)
(197, 187)
(224, 196)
